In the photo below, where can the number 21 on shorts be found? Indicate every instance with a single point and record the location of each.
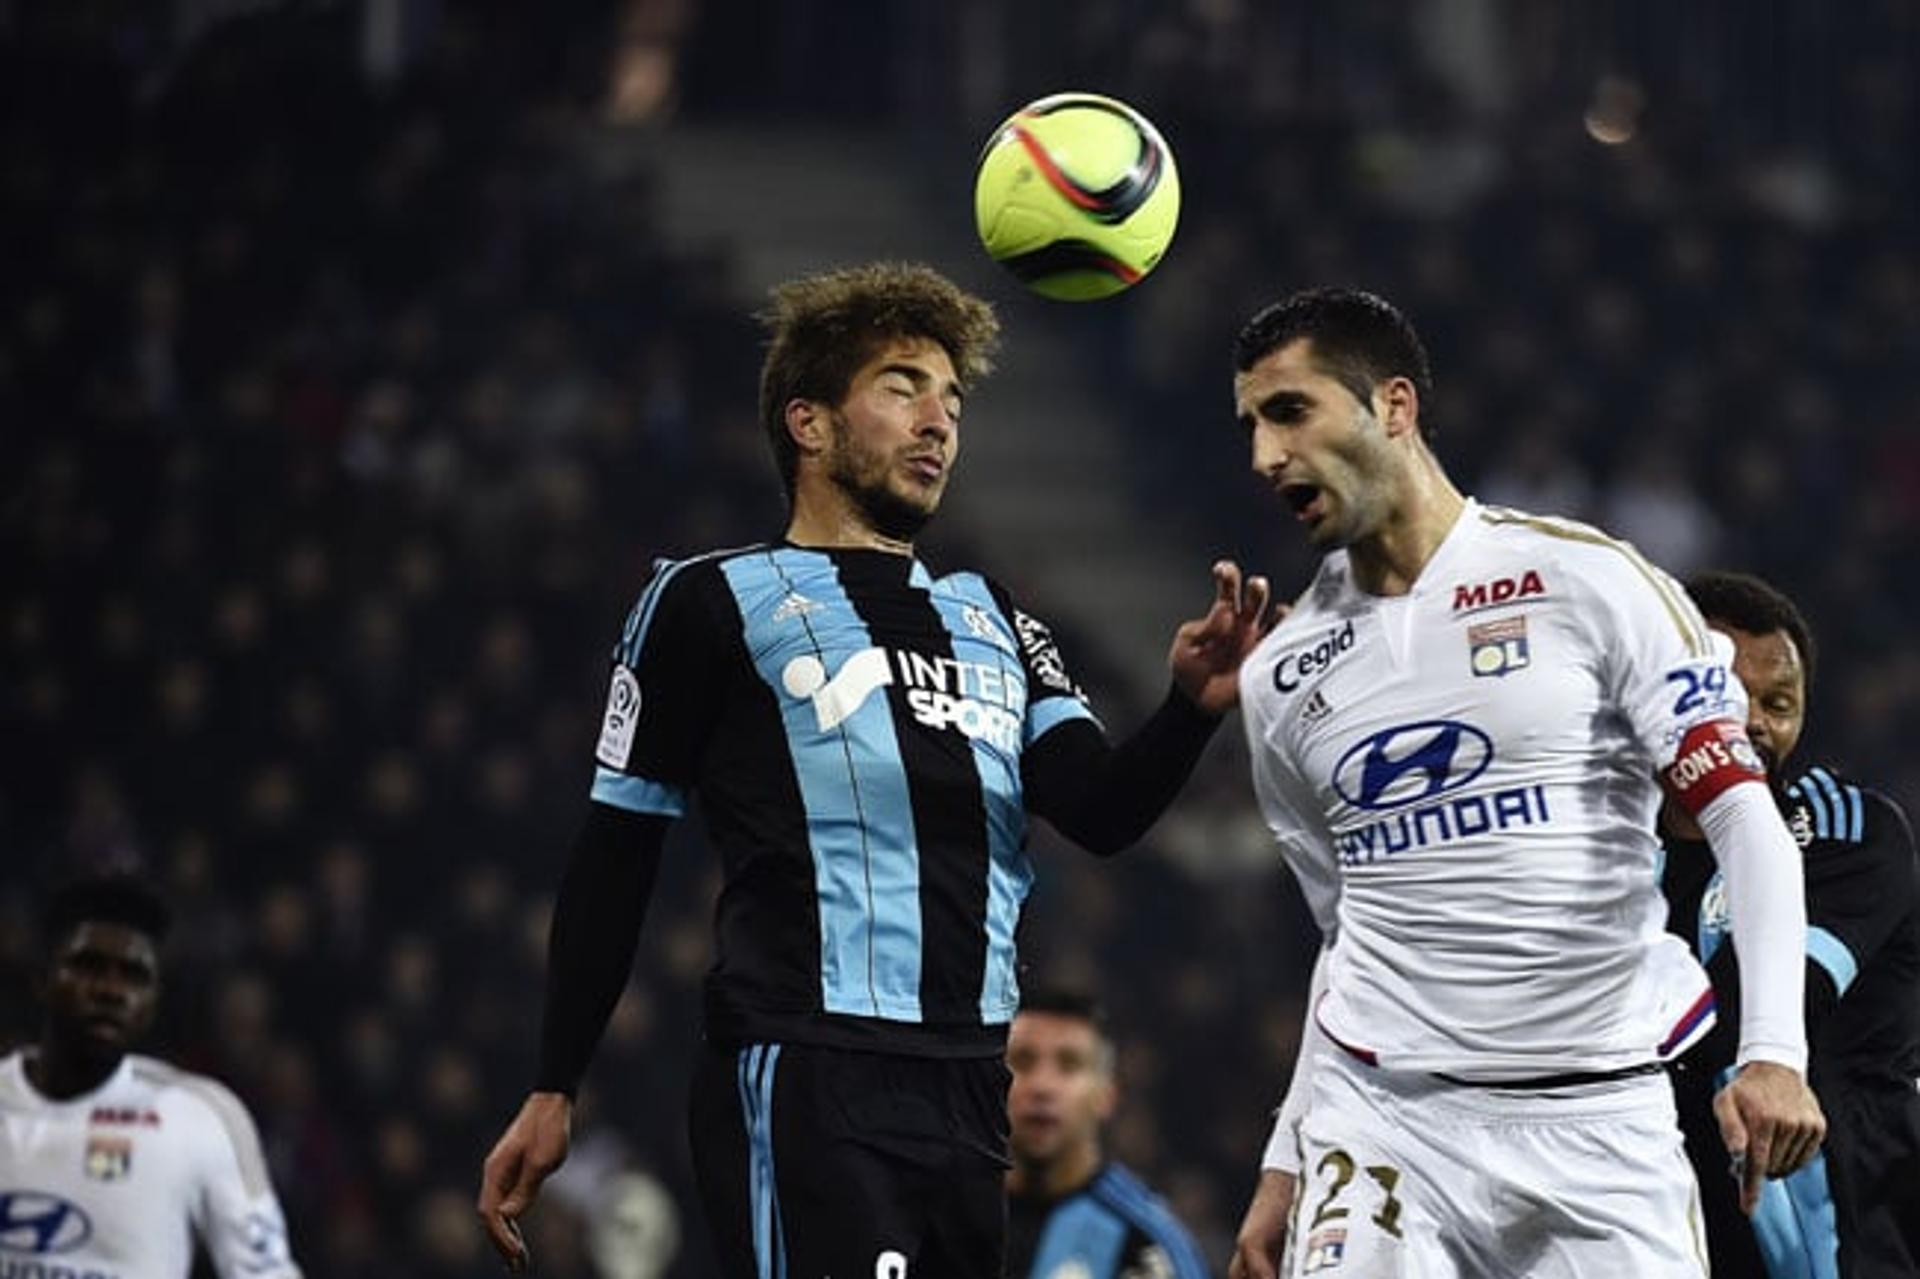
(1328, 1203)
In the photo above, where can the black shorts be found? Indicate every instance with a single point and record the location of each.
(826, 1163)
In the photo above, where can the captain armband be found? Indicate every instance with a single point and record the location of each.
(1712, 757)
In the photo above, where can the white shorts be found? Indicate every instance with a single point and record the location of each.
(1410, 1177)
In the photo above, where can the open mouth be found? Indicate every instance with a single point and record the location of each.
(1303, 498)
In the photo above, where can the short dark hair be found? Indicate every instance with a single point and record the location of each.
(1753, 605)
(1359, 339)
(115, 897)
(1062, 1001)
(824, 327)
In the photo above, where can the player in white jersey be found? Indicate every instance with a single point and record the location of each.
(1458, 737)
(110, 1162)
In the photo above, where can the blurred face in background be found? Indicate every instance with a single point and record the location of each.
(1063, 1090)
(1327, 455)
(103, 987)
(895, 436)
(1770, 669)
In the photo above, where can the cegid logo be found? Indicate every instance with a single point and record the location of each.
(1411, 762)
(40, 1223)
(1311, 660)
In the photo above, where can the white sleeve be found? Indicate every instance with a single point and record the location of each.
(1664, 669)
(1292, 815)
(1283, 1145)
(1766, 898)
(238, 1215)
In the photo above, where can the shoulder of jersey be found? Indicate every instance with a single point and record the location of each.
(1829, 807)
(667, 570)
(167, 1080)
(1120, 1189)
(1556, 534)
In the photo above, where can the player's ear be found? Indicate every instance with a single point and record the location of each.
(809, 425)
(1396, 402)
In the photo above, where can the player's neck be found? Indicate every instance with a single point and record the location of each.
(1055, 1178)
(60, 1074)
(1388, 561)
(823, 522)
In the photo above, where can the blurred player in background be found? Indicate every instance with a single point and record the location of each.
(1458, 737)
(1854, 1211)
(866, 740)
(112, 1163)
(1071, 1210)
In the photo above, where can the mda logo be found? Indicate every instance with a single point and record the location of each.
(40, 1223)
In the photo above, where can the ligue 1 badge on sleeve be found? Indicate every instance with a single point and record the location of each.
(1499, 646)
(109, 1158)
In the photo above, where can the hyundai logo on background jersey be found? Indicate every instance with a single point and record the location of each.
(1411, 762)
(1311, 660)
(40, 1223)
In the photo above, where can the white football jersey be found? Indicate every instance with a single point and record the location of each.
(115, 1184)
(1463, 779)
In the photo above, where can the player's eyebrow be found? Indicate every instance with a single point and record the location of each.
(922, 379)
(1284, 406)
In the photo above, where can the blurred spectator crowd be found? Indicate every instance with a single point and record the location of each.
(341, 415)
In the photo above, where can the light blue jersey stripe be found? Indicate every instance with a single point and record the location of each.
(1081, 1231)
(1833, 955)
(846, 758)
(982, 633)
(637, 794)
(1051, 712)
(1838, 802)
(1809, 793)
(1794, 1225)
(1131, 1198)
(753, 1075)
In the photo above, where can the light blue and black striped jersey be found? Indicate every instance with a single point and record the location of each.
(1111, 1228)
(1863, 1025)
(853, 728)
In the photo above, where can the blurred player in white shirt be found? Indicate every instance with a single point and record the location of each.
(110, 1162)
(1459, 736)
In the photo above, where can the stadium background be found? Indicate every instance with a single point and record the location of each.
(357, 358)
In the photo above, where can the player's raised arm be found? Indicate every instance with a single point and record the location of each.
(1104, 797)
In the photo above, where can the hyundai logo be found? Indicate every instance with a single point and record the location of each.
(1411, 762)
(34, 1222)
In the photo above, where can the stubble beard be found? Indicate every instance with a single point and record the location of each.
(863, 478)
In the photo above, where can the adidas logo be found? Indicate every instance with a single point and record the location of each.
(795, 605)
(1317, 707)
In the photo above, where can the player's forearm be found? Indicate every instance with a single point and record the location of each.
(1766, 900)
(596, 928)
(1105, 797)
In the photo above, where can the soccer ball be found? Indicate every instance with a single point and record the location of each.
(1077, 196)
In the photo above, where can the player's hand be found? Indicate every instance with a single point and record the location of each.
(1263, 1232)
(1771, 1123)
(533, 1145)
(1207, 652)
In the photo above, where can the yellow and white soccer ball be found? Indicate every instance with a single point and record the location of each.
(1077, 195)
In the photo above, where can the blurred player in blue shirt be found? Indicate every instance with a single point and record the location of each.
(1855, 1211)
(1071, 1210)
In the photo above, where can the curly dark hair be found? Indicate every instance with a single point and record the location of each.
(824, 327)
(1754, 605)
